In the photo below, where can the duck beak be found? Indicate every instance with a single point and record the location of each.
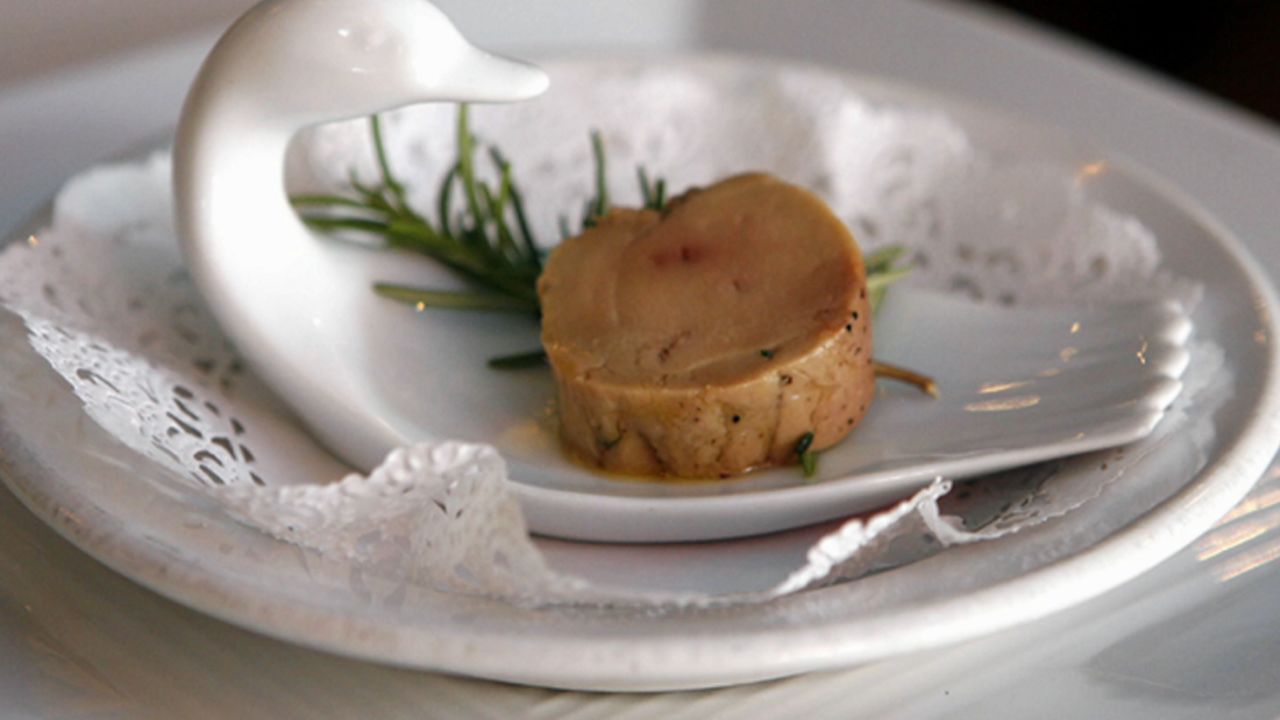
(479, 76)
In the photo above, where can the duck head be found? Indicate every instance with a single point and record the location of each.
(302, 62)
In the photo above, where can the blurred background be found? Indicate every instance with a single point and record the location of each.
(1230, 48)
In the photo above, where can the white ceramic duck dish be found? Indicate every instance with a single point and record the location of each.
(368, 375)
(284, 66)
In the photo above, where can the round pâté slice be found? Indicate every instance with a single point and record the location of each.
(708, 339)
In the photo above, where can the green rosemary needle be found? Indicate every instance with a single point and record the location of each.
(807, 456)
(654, 196)
(456, 300)
(536, 358)
(882, 271)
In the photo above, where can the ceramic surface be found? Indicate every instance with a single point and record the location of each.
(350, 364)
(125, 512)
(1194, 638)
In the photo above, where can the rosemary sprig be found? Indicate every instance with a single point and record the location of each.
(489, 243)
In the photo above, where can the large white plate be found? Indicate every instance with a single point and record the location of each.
(123, 510)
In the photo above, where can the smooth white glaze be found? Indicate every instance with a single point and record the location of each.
(104, 498)
(368, 375)
(284, 66)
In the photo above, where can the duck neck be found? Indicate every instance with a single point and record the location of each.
(230, 197)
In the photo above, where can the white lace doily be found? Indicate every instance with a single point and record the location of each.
(107, 302)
